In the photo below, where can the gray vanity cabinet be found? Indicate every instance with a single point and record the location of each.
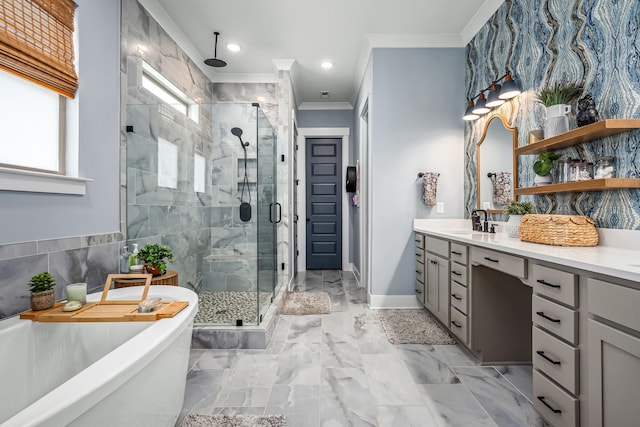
(614, 354)
(436, 264)
(420, 271)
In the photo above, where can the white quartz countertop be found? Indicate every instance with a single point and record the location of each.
(621, 262)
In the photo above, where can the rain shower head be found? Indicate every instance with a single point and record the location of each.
(238, 132)
(215, 62)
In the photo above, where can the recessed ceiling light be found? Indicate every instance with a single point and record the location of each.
(327, 65)
(233, 47)
(260, 99)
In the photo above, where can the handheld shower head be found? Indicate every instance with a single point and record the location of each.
(238, 132)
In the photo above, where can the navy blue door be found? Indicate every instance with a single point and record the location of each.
(324, 206)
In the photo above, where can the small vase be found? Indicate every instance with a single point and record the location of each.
(153, 270)
(43, 300)
(542, 180)
(555, 126)
(513, 225)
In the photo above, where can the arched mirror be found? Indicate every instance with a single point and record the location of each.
(496, 173)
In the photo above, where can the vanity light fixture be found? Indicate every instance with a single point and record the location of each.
(498, 95)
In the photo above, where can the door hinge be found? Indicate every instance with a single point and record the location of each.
(297, 182)
(297, 253)
(295, 218)
(282, 266)
(296, 147)
(282, 157)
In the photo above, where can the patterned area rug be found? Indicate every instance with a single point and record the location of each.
(413, 327)
(234, 421)
(306, 303)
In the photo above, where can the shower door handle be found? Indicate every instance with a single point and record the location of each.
(271, 213)
(279, 213)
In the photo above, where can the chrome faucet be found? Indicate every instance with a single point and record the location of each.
(475, 221)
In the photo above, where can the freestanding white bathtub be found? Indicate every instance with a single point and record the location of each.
(97, 374)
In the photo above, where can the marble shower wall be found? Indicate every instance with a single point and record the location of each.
(177, 217)
(592, 42)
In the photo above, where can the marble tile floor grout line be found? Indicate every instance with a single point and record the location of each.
(339, 369)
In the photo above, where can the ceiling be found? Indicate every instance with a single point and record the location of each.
(300, 34)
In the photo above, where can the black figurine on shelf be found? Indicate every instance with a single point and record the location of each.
(587, 112)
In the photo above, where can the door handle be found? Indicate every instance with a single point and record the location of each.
(279, 213)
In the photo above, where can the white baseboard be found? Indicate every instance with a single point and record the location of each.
(348, 267)
(356, 274)
(393, 301)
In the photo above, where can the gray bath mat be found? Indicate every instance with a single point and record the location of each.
(306, 303)
(234, 421)
(413, 327)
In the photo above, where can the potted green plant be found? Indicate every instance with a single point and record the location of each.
(42, 291)
(543, 166)
(516, 210)
(155, 258)
(557, 98)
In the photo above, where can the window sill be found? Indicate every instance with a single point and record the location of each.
(41, 182)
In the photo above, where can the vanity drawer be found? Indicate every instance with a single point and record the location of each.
(614, 302)
(512, 265)
(459, 253)
(459, 297)
(555, 284)
(420, 272)
(556, 405)
(459, 274)
(556, 359)
(555, 318)
(420, 292)
(420, 255)
(419, 241)
(437, 246)
(458, 325)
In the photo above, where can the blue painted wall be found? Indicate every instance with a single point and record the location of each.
(595, 43)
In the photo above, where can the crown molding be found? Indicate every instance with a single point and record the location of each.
(486, 11)
(283, 64)
(245, 78)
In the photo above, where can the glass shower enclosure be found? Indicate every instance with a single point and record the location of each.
(204, 183)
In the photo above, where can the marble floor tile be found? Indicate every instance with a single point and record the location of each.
(239, 410)
(453, 406)
(521, 376)
(372, 339)
(405, 416)
(299, 403)
(246, 396)
(194, 356)
(331, 276)
(305, 329)
(339, 324)
(390, 382)
(345, 399)
(456, 355)
(340, 351)
(506, 405)
(253, 370)
(314, 284)
(299, 363)
(426, 365)
(201, 391)
(217, 359)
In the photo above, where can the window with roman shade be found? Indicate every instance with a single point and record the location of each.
(36, 42)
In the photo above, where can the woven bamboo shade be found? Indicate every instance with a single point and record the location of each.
(36, 42)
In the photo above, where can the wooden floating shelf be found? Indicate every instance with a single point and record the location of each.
(590, 185)
(580, 135)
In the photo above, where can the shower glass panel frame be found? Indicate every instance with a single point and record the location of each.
(230, 263)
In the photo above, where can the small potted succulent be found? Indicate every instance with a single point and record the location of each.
(543, 166)
(42, 291)
(155, 258)
(516, 210)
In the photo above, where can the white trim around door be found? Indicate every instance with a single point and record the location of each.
(303, 134)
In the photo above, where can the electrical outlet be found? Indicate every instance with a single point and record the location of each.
(486, 205)
(440, 207)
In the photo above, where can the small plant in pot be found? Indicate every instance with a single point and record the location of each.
(543, 166)
(557, 98)
(516, 210)
(42, 291)
(155, 258)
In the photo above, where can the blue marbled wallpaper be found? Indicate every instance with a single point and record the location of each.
(593, 42)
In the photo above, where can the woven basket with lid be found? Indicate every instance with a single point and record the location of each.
(558, 230)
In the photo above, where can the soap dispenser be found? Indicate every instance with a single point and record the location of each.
(133, 258)
(124, 260)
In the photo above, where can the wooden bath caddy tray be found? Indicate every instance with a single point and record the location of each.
(109, 311)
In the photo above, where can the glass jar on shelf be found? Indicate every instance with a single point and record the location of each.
(604, 168)
(581, 171)
(562, 170)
